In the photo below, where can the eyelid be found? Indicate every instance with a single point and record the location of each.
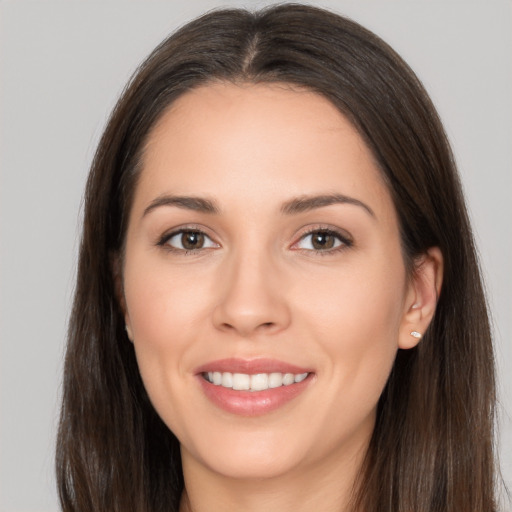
(342, 235)
(163, 239)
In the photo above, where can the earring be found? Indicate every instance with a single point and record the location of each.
(129, 333)
(416, 334)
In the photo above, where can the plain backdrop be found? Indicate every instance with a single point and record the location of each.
(62, 66)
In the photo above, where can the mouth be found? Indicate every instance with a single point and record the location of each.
(252, 388)
(254, 382)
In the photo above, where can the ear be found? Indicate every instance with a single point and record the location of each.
(117, 274)
(422, 294)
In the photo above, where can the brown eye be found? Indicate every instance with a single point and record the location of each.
(322, 240)
(189, 240)
(192, 240)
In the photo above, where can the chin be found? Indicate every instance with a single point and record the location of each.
(249, 456)
(249, 466)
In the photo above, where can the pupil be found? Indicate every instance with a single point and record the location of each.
(323, 241)
(192, 240)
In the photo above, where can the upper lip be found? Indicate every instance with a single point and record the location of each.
(250, 366)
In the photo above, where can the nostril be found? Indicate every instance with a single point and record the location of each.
(246, 329)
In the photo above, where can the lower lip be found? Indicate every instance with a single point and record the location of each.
(252, 403)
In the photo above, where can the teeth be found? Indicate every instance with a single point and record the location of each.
(259, 382)
(275, 380)
(288, 378)
(300, 377)
(256, 382)
(241, 381)
(227, 380)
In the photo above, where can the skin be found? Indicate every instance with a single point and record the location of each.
(259, 288)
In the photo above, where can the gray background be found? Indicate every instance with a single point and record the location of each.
(62, 65)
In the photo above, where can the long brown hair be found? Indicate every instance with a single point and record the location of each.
(432, 447)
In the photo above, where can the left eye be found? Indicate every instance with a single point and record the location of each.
(189, 240)
(321, 240)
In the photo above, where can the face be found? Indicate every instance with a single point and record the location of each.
(264, 285)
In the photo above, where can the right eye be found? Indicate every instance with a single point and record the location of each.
(189, 240)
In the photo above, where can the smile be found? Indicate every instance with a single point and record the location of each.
(253, 387)
(255, 382)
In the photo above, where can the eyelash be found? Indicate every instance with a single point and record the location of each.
(163, 241)
(345, 241)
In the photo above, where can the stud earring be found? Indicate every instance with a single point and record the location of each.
(416, 334)
(129, 333)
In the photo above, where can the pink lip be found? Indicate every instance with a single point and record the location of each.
(251, 403)
(251, 366)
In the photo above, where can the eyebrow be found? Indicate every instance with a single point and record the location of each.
(306, 203)
(197, 204)
(294, 206)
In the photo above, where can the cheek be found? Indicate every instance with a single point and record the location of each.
(360, 301)
(356, 317)
(162, 309)
(160, 304)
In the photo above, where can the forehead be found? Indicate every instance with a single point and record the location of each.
(254, 142)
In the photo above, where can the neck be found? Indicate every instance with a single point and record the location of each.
(317, 487)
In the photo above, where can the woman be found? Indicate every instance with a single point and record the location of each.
(278, 300)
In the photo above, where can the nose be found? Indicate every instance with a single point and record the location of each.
(252, 297)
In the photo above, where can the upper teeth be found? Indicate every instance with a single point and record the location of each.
(256, 382)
